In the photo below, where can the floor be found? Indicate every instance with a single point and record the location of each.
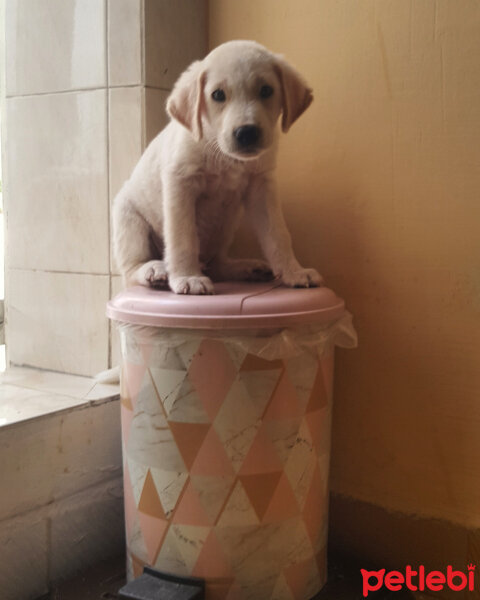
(103, 582)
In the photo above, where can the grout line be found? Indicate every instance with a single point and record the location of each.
(44, 370)
(143, 70)
(59, 92)
(59, 272)
(31, 387)
(143, 120)
(109, 252)
(88, 89)
(158, 88)
(53, 390)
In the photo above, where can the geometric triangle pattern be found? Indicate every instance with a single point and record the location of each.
(211, 373)
(211, 457)
(237, 423)
(260, 489)
(128, 500)
(284, 403)
(168, 384)
(149, 503)
(318, 395)
(169, 486)
(302, 578)
(238, 510)
(189, 510)
(212, 562)
(283, 504)
(190, 540)
(283, 435)
(152, 530)
(189, 438)
(213, 492)
(282, 589)
(226, 458)
(262, 457)
(170, 558)
(259, 385)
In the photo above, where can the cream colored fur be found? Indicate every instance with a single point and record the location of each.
(175, 217)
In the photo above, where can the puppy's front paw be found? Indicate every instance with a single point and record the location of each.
(156, 273)
(152, 273)
(197, 285)
(302, 278)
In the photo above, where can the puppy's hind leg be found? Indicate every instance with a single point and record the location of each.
(133, 247)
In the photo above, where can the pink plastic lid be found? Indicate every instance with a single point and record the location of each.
(234, 306)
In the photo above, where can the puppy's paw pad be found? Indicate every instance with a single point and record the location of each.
(303, 278)
(195, 285)
(155, 274)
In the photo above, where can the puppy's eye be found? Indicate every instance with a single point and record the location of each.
(266, 91)
(219, 96)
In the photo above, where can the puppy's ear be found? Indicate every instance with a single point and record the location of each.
(296, 95)
(186, 102)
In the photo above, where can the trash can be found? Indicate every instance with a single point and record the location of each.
(226, 414)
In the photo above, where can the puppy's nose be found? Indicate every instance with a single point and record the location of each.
(247, 135)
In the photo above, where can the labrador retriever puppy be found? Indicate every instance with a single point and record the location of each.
(175, 217)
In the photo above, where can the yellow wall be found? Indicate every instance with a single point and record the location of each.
(380, 181)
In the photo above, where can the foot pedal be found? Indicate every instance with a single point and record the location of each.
(154, 585)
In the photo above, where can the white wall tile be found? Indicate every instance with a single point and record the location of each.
(125, 133)
(124, 42)
(57, 207)
(176, 34)
(63, 157)
(126, 116)
(54, 45)
(57, 321)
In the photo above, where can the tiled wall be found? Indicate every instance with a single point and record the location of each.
(86, 84)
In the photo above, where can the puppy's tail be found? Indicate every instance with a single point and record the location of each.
(109, 376)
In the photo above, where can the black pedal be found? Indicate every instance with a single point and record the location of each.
(154, 585)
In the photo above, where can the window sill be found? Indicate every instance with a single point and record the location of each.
(27, 393)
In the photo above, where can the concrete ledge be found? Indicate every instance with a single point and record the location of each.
(61, 507)
(27, 393)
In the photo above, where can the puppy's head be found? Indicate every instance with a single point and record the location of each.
(235, 96)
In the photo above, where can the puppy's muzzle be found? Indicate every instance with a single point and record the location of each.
(247, 138)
